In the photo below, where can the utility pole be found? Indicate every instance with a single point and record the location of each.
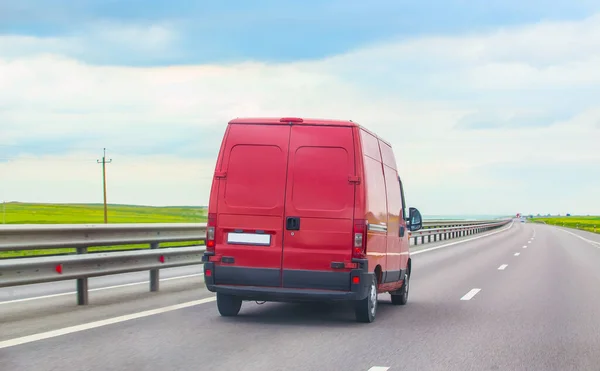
(104, 162)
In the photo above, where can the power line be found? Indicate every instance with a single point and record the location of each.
(104, 162)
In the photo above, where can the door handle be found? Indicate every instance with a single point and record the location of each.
(292, 223)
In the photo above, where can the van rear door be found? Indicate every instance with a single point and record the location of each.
(319, 207)
(251, 205)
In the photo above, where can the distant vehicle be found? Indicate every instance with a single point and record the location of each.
(307, 210)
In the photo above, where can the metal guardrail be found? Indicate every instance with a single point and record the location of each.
(23, 271)
(49, 236)
(446, 233)
(430, 224)
(82, 265)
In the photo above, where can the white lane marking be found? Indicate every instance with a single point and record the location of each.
(105, 322)
(463, 241)
(525, 246)
(502, 267)
(469, 295)
(98, 289)
(529, 242)
(378, 368)
(594, 243)
(517, 253)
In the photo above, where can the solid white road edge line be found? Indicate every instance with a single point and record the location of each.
(98, 289)
(463, 241)
(502, 267)
(469, 295)
(91, 325)
(594, 243)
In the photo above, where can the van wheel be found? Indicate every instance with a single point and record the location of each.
(366, 308)
(228, 305)
(400, 297)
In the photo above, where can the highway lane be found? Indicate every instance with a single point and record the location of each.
(538, 313)
(24, 317)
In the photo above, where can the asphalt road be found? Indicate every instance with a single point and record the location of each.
(476, 305)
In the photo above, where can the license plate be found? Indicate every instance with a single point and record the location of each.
(249, 239)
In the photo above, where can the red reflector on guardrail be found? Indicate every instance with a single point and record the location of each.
(161, 258)
(58, 269)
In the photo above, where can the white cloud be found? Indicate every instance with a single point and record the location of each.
(92, 41)
(415, 93)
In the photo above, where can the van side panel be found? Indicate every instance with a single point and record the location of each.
(394, 243)
(251, 200)
(320, 195)
(389, 159)
(376, 204)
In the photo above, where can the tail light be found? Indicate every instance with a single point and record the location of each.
(210, 232)
(359, 248)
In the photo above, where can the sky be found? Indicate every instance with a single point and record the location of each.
(491, 107)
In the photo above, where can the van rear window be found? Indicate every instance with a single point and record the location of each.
(321, 179)
(256, 176)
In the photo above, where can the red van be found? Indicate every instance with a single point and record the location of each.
(307, 210)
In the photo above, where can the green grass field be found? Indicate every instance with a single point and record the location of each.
(586, 223)
(30, 213)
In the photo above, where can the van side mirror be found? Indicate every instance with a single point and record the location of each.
(415, 221)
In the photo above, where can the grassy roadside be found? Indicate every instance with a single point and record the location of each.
(586, 223)
(32, 213)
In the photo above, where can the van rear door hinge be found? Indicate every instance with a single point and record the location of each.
(354, 179)
(220, 174)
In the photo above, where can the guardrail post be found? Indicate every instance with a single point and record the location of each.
(82, 284)
(154, 274)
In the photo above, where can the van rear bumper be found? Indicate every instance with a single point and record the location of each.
(297, 292)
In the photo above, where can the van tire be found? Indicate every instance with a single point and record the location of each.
(228, 305)
(366, 309)
(400, 297)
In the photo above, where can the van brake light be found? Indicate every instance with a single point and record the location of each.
(210, 232)
(291, 119)
(359, 248)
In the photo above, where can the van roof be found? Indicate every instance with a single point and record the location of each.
(309, 121)
(284, 120)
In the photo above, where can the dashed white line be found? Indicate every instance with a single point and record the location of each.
(109, 321)
(378, 368)
(524, 246)
(517, 253)
(469, 295)
(97, 289)
(502, 267)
